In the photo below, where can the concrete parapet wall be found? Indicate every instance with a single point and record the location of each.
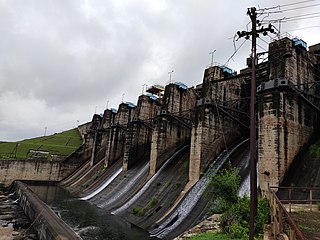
(83, 128)
(36, 170)
(45, 222)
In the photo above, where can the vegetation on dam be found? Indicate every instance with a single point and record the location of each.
(62, 144)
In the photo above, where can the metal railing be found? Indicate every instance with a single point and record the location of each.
(282, 221)
(299, 195)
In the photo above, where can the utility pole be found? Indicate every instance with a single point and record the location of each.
(253, 137)
(253, 130)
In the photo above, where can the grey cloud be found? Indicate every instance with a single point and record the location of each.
(63, 58)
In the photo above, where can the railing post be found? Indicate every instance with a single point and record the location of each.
(310, 200)
(293, 235)
(277, 218)
(289, 200)
(274, 214)
(280, 220)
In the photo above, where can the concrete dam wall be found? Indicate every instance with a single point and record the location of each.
(204, 121)
(147, 157)
(142, 161)
(41, 170)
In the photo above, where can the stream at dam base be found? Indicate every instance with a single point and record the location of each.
(87, 220)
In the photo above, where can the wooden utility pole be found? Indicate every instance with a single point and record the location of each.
(253, 138)
(253, 128)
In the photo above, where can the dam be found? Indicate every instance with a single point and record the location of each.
(147, 165)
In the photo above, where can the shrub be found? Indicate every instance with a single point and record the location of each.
(263, 215)
(225, 186)
(138, 211)
(236, 211)
(238, 231)
(315, 150)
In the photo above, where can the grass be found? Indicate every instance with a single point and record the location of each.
(63, 143)
(215, 236)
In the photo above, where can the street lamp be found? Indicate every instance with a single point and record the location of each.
(170, 76)
(211, 53)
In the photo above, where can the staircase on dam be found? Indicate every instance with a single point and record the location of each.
(149, 162)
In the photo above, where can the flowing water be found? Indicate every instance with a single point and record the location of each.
(145, 187)
(103, 186)
(87, 220)
(192, 197)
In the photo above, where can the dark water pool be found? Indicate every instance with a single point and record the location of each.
(87, 220)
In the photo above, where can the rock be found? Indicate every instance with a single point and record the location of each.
(14, 233)
(211, 224)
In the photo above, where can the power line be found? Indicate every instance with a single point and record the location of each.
(285, 5)
(304, 15)
(298, 8)
(291, 18)
(296, 19)
(291, 4)
(291, 30)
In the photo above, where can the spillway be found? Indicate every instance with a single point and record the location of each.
(103, 186)
(183, 212)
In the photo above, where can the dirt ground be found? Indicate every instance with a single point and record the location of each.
(308, 223)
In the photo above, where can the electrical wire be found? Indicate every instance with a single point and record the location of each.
(285, 5)
(296, 29)
(305, 18)
(234, 53)
(291, 18)
(299, 8)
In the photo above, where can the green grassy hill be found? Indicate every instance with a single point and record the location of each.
(63, 143)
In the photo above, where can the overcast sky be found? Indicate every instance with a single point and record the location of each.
(63, 60)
